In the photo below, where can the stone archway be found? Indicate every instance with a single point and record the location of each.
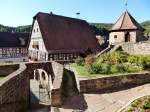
(127, 37)
(40, 88)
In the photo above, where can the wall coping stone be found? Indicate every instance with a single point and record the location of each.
(112, 75)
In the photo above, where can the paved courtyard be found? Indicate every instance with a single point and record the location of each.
(108, 102)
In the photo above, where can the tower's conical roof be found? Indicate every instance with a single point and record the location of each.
(126, 22)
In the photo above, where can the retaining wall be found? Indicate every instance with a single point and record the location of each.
(14, 91)
(137, 48)
(15, 88)
(111, 83)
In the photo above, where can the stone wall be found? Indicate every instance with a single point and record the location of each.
(120, 37)
(14, 91)
(137, 48)
(15, 88)
(113, 82)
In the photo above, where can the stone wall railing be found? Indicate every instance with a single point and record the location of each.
(111, 83)
(14, 91)
(137, 48)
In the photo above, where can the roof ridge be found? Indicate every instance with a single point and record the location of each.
(123, 18)
(52, 14)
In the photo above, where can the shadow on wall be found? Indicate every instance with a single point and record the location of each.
(76, 102)
(69, 84)
(13, 106)
(72, 98)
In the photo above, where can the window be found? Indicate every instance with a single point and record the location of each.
(37, 29)
(35, 45)
(115, 36)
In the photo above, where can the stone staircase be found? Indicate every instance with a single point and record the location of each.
(103, 51)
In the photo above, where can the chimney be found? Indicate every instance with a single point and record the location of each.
(51, 13)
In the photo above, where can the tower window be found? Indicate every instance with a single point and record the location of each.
(115, 36)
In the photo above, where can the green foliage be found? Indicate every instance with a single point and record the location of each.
(95, 69)
(146, 63)
(146, 26)
(113, 57)
(98, 28)
(140, 105)
(103, 28)
(82, 70)
(80, 61)
(140, 60)
(137, 59)
(115, 62)
(25, 29)
(111, 69)
(20, 29)
(89, 60)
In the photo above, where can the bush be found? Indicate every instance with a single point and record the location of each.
(113, 57)
(106, 68)
(111, 69)
(100, 69)
(127, 68)
(89, 60)
(146, 63)
(80, 61)
(140, 60)
(137, 59)
(95, 69)
(114, 68)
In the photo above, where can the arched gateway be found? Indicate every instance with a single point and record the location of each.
(40, 88)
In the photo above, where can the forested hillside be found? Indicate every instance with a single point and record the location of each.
(146, 26)
(102, 28)
(26, 28)
(98, 28)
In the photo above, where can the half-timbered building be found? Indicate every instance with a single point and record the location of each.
(57, 37)
(13, 47)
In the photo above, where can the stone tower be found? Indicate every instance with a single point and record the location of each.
(126, 29)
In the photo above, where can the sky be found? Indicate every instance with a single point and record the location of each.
(21, 12)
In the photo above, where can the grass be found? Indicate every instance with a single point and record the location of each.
(82, 70)
(1, 77)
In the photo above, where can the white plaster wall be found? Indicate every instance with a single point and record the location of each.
(36, 36)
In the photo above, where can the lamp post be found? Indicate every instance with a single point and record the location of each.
(78, 13)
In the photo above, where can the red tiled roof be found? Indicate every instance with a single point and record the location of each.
(126, 22)
(64, 34)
